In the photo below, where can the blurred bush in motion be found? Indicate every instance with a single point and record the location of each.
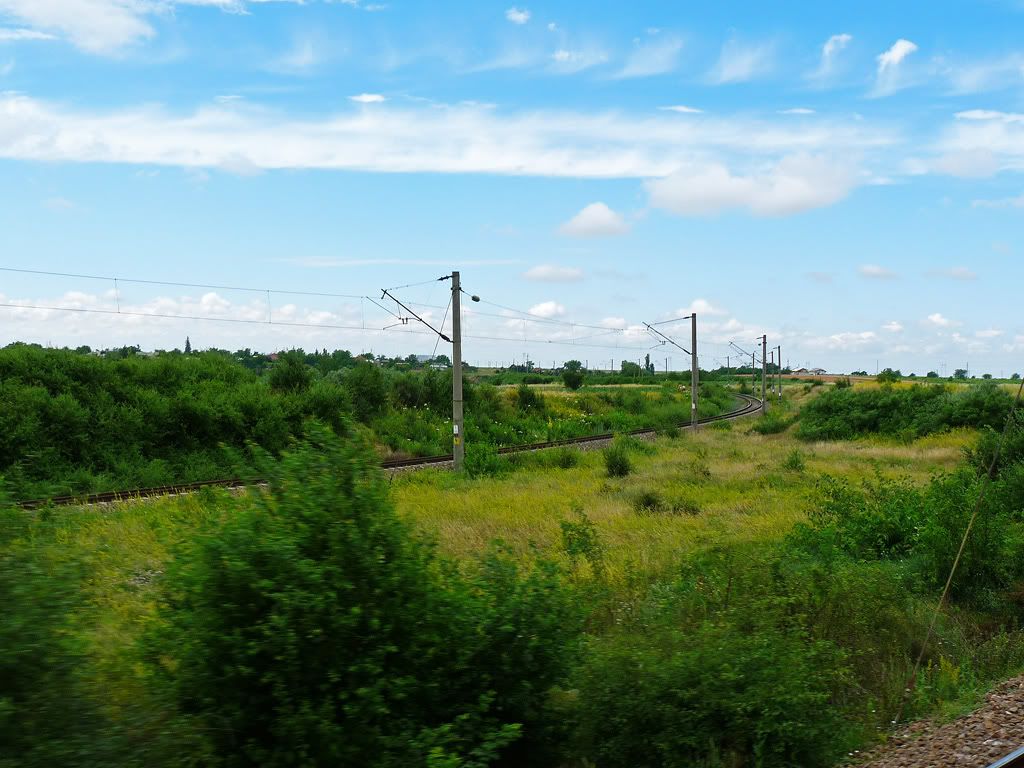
(314, 627)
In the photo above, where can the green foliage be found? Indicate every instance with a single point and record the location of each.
(483, 460)
(648, 502)
(889, 376)
(572, 374)
(44, 719)
(616, 459)
(772, 423)
(840, 414)
(794, 461)
(581, 542)
(843, 383)
(290, 372)
(714, 697)
(72, 422)
(314, 628)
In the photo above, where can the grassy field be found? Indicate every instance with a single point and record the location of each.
(715, 486)
(720, 489)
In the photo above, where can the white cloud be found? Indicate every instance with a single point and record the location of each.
(547, 309)
(447, 139)
(995, 138)
(987, 75)
(967, 164)
(875, 272)
(889, 77)
(829, 52)
(739, 62)
(569, 61)
(517, 15)
(700, 307)
(13, 35)
(796, 183)
(1005, 202)
(595, 220)
(846, 341)
(654, 57)
(101, 26)
(368, 98)
(796, 111)
(683, 110)
(893, 326)
(939, 321)
(59, 204)
(988, 333)
(551, 273)
(956, 273)
(303, 57)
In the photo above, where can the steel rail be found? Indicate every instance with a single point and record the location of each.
(750, 405)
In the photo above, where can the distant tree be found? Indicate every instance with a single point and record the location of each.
(630, 368)
(85, 349)
(932, 375)
(648, 365)
(889, 376)
(1015, 377)
(572, 374)
(445, 360)
(188, 346)
(960, 373)
(987, 376)
(290, 373)
(859, 373)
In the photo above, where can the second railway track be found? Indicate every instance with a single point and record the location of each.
(749, 406)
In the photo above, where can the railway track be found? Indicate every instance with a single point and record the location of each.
(748, 406)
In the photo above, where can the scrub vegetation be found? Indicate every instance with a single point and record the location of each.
(736, 597)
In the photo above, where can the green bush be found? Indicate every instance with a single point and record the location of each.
(315, 628)
(648, 502)
(772, 423)
(616, 459)
(483, 460)
(794, 461)
(715, 695)
(841, 414)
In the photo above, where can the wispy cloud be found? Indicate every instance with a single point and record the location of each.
(796, 111)
(795, 184)
(517, 15)
(985, 75)
(655, 56)
(459, 139)
(368, 98)
(552, 273)
(14, 35)
(889, 77)
(572, 60)
(955, 273)
(595, 220)
(830, 51)
(740, 62)
(681, 109)
(875, 272)
(893, 326)
(938, 320)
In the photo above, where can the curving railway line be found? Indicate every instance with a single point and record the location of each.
(747, 406)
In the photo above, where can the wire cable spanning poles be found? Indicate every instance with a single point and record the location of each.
(694, 367)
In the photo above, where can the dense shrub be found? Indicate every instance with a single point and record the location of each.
(616, 459)
(315, 628)
(713, 696)
(914, 411)
(44, 721)
(772, 423)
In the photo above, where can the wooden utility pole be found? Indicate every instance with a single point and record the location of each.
(458, 426)
(694, 370)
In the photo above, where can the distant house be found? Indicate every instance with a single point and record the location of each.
(818, 371)
(809, 372)
(800, 371)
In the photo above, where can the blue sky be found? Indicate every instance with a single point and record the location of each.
(845, 177)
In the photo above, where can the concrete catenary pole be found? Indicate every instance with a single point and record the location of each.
(779, 348)
(764, 370)
(458, 426)
(694, 369)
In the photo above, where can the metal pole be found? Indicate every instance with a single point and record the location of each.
(458, 426)
(764, 370)
(694, 370)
